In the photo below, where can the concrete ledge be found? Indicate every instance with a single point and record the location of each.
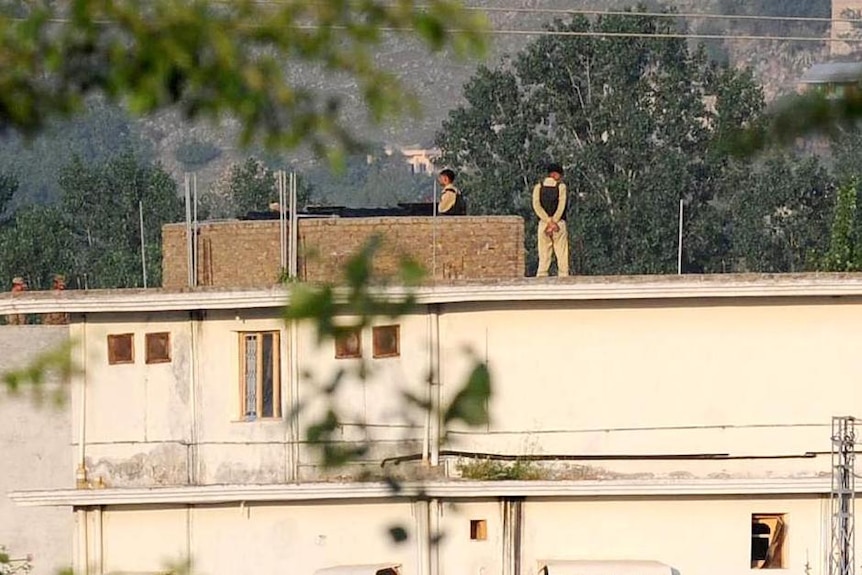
(526, 290)
(444, 490)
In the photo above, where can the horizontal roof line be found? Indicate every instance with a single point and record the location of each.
(610, 288)
(444, 490)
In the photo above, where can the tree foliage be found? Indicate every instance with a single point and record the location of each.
(215, 59)
(95, 136)
(378, 178)
(844, 254)
(635, 121)
(92, 235)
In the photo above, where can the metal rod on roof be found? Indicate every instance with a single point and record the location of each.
(282, 223)
(679, 248)
(196, 254)
(434, 237)
(294, 229)
(143, 242)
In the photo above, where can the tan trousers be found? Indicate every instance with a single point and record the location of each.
(557, 245)
(16, 319)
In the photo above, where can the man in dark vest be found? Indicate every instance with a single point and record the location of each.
(549, 203)
(451, 200)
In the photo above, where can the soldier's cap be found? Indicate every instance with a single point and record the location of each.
(18, 280)
(59, 278)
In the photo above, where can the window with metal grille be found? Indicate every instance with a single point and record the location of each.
(260, 368)
(387, 341)
(158, 347)
(121, 348)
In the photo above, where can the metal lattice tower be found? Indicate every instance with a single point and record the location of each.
(842, 496)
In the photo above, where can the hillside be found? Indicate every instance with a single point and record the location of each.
(436, 81)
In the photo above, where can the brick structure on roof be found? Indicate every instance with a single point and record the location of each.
(240, 254)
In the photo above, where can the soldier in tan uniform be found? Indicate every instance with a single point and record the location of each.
(18, 286)
(451, 200)
(57, 318)
(549, 203)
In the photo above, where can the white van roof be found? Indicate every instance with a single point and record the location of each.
(593, 567)
(371, 569)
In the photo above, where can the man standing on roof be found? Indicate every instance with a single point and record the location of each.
(18, 286)
(57, 318)
(451, 200)
(549, 203)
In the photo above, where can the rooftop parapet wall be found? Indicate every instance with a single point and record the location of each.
(246, 253)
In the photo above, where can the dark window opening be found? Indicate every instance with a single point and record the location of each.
(768, 535)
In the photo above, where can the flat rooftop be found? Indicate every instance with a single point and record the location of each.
(572, 288)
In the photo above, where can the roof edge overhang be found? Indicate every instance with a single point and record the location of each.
(566, 289)
(311, 492)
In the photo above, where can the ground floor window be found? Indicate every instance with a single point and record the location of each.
(768, 535)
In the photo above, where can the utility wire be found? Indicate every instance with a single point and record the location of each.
(665, 35)
(586, 12)
(600, 34)
(683, 15)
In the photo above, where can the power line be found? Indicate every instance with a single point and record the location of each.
(659, 35)
(600, 34)
(683, 35)
(586, 12)
(680, 15)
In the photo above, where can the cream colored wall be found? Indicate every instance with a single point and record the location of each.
(150, 425)
(696, 536)
(254, 538)
(458, 552)
(397, 427)
(137, 415)
(756, 380)
(745, 378)
(34, 441)
(232, 450)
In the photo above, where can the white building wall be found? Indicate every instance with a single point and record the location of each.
(395, 426)
(136, 415)
(36, 453)
(744, 378)
(634, 388)
(232, 450)
(694, 535)
(257, 538)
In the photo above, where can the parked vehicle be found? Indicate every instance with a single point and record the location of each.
(378, 569)
(582, 567)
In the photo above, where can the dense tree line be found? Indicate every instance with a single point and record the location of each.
(640, 124)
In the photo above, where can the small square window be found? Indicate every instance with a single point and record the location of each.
(158, 347)
(386, 341)
(121, 348)
(478, 530)
(348, 343)
(768, 536)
